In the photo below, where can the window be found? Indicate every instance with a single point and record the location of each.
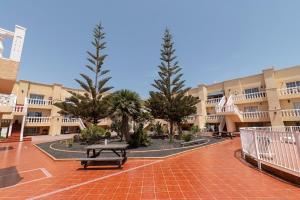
(251, 108)
(296, 105)
(251, 90)
(31, 131)
(34, 114)
(36, 96)
(251, 93)
(293, 84)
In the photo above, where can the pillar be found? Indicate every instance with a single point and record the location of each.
(201, 106)
(273, 98)
(230, 124)
(22, 128)
(10, 127)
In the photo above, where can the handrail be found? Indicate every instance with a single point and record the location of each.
(255, 114)
(278, 146)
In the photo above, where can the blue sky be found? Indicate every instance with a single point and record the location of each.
(215, 40)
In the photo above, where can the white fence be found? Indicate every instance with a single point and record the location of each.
(249, 96)
(279, 146)
(41, 102)
(38, 119)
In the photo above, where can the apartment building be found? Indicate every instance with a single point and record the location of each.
(271, 98)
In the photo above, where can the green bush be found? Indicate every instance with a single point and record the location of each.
(139, 138)
(69, 142)
(187, 137)
(107, 135)
(92, 133)
(195, 129)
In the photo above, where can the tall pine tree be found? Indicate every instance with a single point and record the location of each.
(91, 106)
(170, 89)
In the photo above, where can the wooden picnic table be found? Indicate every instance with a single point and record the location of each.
(96, 149)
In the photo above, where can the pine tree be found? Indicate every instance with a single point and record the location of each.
(91, 106)
(170, 89)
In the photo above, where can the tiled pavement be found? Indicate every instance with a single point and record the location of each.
(207, 173)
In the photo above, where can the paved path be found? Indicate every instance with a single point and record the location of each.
(206, 173)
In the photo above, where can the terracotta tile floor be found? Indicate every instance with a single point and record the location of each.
(206, 173)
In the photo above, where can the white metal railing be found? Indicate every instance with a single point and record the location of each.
(289, 91)
(255, 115)
(38, 119)
(279, 146)
(41, 102)
(290, 113)
(213, 117)
(250, 96)
(8, 100)
(213, 101)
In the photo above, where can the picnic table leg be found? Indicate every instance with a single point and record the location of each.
(124, 156)
(88, 153)
(94, 152)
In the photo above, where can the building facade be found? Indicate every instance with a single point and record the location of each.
(271, 98)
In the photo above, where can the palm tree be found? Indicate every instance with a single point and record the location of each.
(125, 105)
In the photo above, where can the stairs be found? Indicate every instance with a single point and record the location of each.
(15, 135)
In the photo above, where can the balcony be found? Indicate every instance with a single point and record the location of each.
(291, 114)
(39, 103)
(250, 97)
(67, 121)
(255, 116)
(38, 121)
(213, 102)
(7, 102)
(20, 109)
(292, 92)
(213, 118)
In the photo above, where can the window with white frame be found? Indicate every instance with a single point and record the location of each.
(250, 108)
(293, 84)
(36, 96)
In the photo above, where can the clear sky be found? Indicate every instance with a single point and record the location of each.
(215, 40)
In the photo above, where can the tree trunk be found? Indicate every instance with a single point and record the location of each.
(179, 130)
(125, 128)
(171, 135)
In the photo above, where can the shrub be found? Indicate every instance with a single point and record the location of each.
(69, 142)
(92, 133)
(139, 138)
(194, 129)
(107, 135)
(187, 137)
(158, 129)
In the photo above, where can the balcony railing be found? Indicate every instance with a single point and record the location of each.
(255, 115)
(40, 102)
(289, 91)
(290, 113)
(213, 101)
(249, 96)
(70, 120)
(213, 117)
(8, 100)
(20, 109)
(38, 119)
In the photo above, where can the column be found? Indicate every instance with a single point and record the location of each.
(10, 127)
(273, 99)
(201, 106)
(22, 128)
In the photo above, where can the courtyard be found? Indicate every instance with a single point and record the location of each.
(211, 172)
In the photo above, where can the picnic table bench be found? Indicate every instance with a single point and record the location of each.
(193, 142)
(96, 149)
